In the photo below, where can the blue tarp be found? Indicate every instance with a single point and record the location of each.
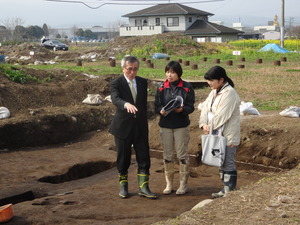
(273, 47)
(159, 56)
(2, 59)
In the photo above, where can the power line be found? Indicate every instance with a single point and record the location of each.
(130, 2)
(80, 2)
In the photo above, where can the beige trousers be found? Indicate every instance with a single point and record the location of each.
(175, 139)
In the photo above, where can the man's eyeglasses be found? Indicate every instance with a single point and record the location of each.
(132, 69)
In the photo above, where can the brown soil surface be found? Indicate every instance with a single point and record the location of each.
(57, 155)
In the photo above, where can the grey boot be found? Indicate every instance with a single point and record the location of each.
(229, 179)
(184, 174)
(123, 180)
(169, 175)
(222, 192)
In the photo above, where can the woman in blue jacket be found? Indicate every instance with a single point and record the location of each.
(174, 125)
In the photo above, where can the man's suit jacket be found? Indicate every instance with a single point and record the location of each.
(123, 121)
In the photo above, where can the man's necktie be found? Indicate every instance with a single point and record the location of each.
(132, 90)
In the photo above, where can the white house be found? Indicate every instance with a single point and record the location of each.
(174, 17)
(264, 28)
(238, 26)
(271, 35)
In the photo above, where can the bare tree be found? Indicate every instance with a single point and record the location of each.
(52, 32)
(113, 29)
(4, 33)
(46, 30)
(294, 32)
(64, 35)
(11, 24)
(19, 33)
(74, 30)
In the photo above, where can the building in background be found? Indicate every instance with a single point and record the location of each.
(271, 35)
(101, 33)
(267, 32)
(174, 17)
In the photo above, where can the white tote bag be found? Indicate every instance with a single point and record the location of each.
(213, 148)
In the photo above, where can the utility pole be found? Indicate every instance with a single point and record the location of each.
(282, 26)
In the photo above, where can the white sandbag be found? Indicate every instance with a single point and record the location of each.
(93, 99)
(108, 98)
(4, 113)
(246, 108)
(292, 111)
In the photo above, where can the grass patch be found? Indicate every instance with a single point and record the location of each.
(17, 75)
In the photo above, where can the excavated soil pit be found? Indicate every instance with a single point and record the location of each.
(79, 171)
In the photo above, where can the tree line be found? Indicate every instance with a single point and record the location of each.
(13, 30)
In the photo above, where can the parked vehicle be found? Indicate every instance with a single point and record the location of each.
(55, 45)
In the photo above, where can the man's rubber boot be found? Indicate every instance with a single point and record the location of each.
(123, 180)
(169, 175)
(144, 190)
(184, 174)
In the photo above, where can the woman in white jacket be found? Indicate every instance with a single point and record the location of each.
(223, 105)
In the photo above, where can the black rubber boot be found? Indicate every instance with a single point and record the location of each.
(123, 180)
(230, 178)
(144, 190)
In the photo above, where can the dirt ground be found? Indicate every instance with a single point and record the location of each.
(57, 163)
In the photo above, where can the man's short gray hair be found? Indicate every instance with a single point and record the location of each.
(130, 59)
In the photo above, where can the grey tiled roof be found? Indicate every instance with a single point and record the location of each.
(168, 9)
(205, 27)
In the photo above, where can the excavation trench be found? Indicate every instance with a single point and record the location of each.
(85, 170)
(79, 171)
(76, 172)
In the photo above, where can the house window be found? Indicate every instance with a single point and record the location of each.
(190, 19)
(216, 39)
(145, 23)
(200, 39)
(138, 22)
(157, 21)
(173, 21)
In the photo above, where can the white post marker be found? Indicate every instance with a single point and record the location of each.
(236, 53)
(31, 53)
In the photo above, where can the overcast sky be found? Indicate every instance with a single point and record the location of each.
(61, 14)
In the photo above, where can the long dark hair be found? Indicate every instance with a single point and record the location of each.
(216, 73)
(175, 66)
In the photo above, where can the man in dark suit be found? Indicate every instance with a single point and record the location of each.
(130, 126)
